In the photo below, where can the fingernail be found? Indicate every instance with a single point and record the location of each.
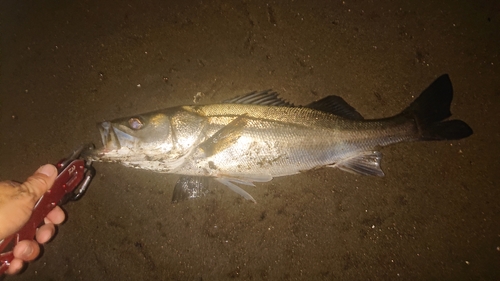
(47, 170)
(28, 251)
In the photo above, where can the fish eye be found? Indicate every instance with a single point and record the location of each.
(135, 123)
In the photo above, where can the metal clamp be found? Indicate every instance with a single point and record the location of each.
(73, 179)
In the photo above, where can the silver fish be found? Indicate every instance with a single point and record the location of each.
(259, 136)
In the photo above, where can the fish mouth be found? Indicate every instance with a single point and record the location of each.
(115, 140)
(109, 137)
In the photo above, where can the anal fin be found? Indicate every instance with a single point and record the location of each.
(365, 163)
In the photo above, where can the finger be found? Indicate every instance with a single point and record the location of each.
(56, 216)
(26, 250)
(45, 232)
(15, 266)
(41, 181)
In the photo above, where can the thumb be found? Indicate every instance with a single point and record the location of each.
(41, 181)
(19, 199)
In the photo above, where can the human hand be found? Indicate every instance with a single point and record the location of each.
(16, 205)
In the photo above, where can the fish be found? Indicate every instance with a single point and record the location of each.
(259, 136)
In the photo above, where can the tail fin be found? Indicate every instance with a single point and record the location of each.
(431, 108)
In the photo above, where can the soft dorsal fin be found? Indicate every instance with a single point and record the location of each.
(267, 97)
(336, 105)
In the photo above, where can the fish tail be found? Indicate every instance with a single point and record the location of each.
(430, 110)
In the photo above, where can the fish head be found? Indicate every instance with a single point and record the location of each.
(134, 138)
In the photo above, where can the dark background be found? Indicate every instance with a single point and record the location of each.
(66, 65)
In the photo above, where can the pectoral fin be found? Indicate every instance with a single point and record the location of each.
(225, 137)
(189, 187)
(365, 163)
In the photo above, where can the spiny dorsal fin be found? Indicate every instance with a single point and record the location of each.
(330, 104)
(336, 105)
(267, 97)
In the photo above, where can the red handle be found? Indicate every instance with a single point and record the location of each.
(67, 180)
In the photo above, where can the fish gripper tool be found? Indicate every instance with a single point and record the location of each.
(73, 179)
